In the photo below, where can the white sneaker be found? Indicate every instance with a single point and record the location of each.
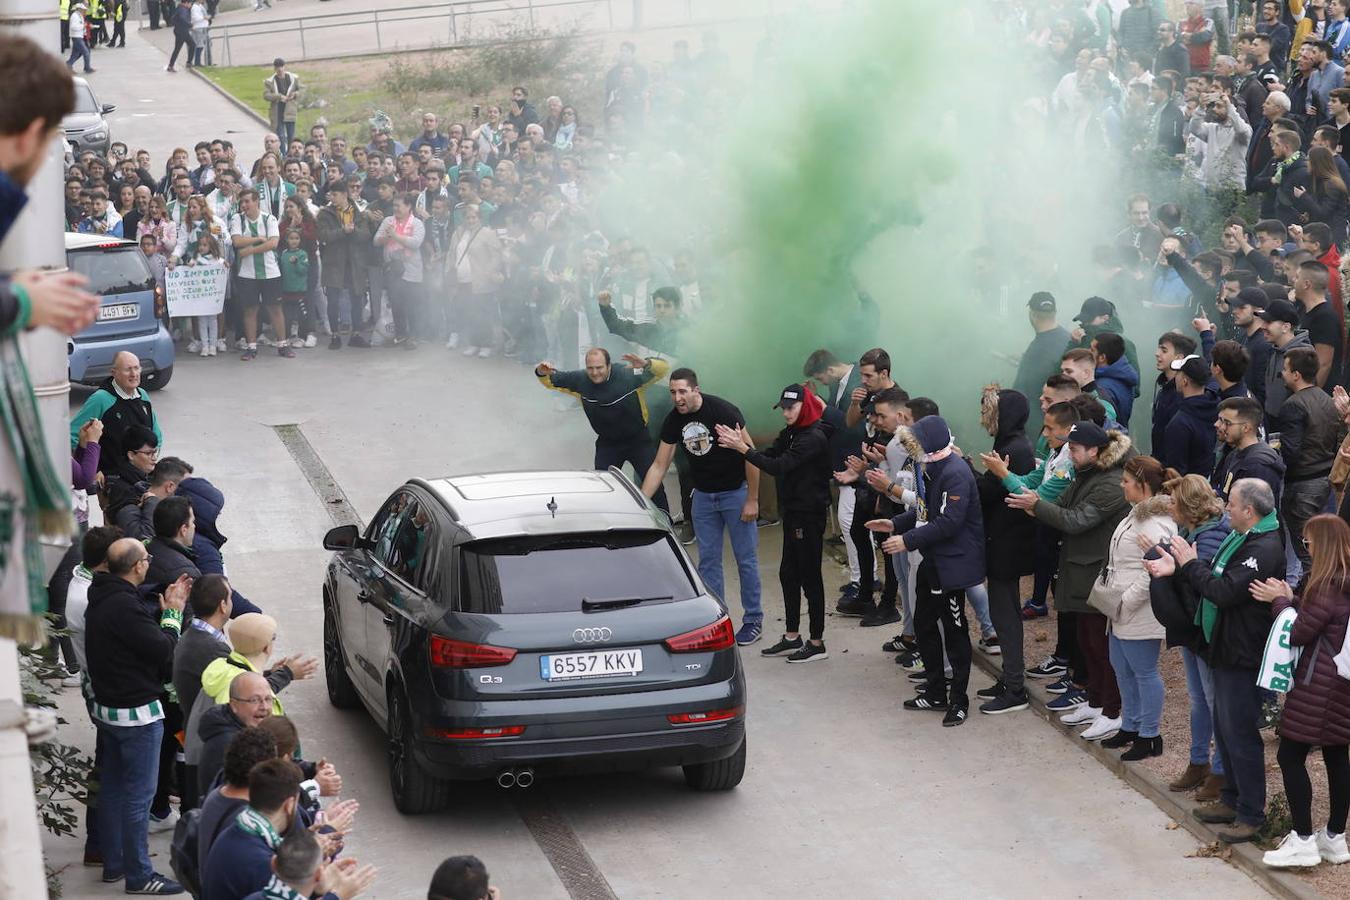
(72, 679)
(1102, 728)
(1293, 852)
(194, 346)
(1081, 715)
(310, 341)
(212, 349)
(1332, 849)
(221, 345)
(452, 342)
(240, 344)
(484, 352)
(205, 352)
(165, 824)
(470, 351)
(297, 343)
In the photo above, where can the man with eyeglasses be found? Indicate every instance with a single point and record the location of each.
(120, 402)
(1244, 453)
(250, 701)
(1171, 54)
(130, 644)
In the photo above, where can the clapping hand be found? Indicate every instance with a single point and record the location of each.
(737, 438)
(884, 526)
(847, 476)
(894, 544)
(346, 878)
(341, 815)
(874, 452)
(1181, 551)
(1341, 400)
(330, 782)
(1025, 501)
(1270, 589)
(996, 464)
(877, 480)
(301, 667)
(175, 595)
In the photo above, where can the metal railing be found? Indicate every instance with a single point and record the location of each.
(446, 24)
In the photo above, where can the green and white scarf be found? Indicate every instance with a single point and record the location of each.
(1208, 613)
(40, 503)
(1280, 166)
(259, 259)
(276, 889)
(250, 821)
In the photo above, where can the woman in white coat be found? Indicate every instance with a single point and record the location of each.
(1121, 594)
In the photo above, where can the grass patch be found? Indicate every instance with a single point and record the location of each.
(346, 93)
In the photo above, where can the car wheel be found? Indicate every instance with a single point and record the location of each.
(718, 775)
(157, 379)
(415, 790)
(341, 691)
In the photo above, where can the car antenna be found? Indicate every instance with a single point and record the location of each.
(552, 506)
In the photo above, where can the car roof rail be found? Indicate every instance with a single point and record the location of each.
(422, 483)
(632, 489)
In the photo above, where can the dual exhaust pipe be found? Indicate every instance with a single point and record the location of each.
(520, 778)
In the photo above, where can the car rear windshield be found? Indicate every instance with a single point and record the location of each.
(556, 573)
(113, 271)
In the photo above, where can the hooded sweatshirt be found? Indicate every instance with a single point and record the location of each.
(1188, 439)
(1010, 534)
(1260, 460)
(799, 460)
(1119, 383)
(1115, 326)
(952, 540)
(207, 504)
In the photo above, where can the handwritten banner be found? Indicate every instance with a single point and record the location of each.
(196, 290)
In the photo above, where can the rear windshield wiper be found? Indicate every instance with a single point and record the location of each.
(587, 604)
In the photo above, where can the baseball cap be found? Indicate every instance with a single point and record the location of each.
(790, 396)
(1251, 296)
(1279, 311)
(1094, 307)
(278, 63)
(1193, 367)
(1087, 433)
(1042, 301)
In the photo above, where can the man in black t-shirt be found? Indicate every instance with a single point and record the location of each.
(726, 491)
(1319, 319)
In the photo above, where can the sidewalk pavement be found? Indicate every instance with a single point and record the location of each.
(159, 110)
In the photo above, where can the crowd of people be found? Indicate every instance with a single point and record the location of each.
(1228, 540)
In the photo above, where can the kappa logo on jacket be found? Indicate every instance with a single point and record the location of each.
(1250, 562)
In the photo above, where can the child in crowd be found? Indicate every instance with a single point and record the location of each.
(150, 247)
(206, 253)
(294, 263)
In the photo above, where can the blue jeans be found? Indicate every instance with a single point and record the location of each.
(1200, 687)
(1141, 686)
(718, 512)
(1237, 730)
(79, 49)
(127, 785)
(978, 595)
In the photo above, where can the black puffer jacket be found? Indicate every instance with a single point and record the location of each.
(1010, 534)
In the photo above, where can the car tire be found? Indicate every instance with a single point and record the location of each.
(341, 692)
(718, 775)
(157, 379)
(415, 790)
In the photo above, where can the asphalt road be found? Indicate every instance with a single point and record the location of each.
(845, 795)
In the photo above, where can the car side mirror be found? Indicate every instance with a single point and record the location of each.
(343, 537)
(108, 108)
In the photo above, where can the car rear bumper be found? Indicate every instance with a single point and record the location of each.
(613, 732)
(90, 359)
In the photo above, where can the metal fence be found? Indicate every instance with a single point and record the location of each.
(464, 22)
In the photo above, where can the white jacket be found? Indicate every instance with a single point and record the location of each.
(1126, 598)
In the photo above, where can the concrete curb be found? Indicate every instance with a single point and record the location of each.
(235, 101)
(1246, 857)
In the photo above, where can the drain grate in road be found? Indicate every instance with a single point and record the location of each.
(563, 849)
(340, 509)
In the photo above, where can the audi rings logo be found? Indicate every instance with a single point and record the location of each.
(592, 635)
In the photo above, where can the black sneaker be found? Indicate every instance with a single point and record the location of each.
(1060, 686)
(1051, 668)
(1005, 703)
(885, 614)
(990, 646)
(917, 677)
(335, 343)
(784, 645)
(955, 716)
(909, 659)
(923, 701)
(854, 607)
(157, 886)
(358, 340)
(997, 689)
(901, 643)
(809, 652)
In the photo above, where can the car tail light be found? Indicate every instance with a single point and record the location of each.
(451, 654)
(110, 246)
(717, 636)
(701, 718)
(460, 734)
(161, 308)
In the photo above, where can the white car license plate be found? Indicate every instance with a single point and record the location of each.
(116, 311)
(601, 664)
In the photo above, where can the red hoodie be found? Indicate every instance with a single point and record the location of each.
(1332, 260)
(812, 409)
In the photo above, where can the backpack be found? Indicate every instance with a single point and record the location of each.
(183, 852)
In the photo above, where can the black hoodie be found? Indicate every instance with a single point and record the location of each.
(1260, 460)
(130, 654)
(1010, 534)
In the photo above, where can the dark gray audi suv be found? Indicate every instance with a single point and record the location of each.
(505, 623)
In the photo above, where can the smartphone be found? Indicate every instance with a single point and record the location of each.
(476, 109)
